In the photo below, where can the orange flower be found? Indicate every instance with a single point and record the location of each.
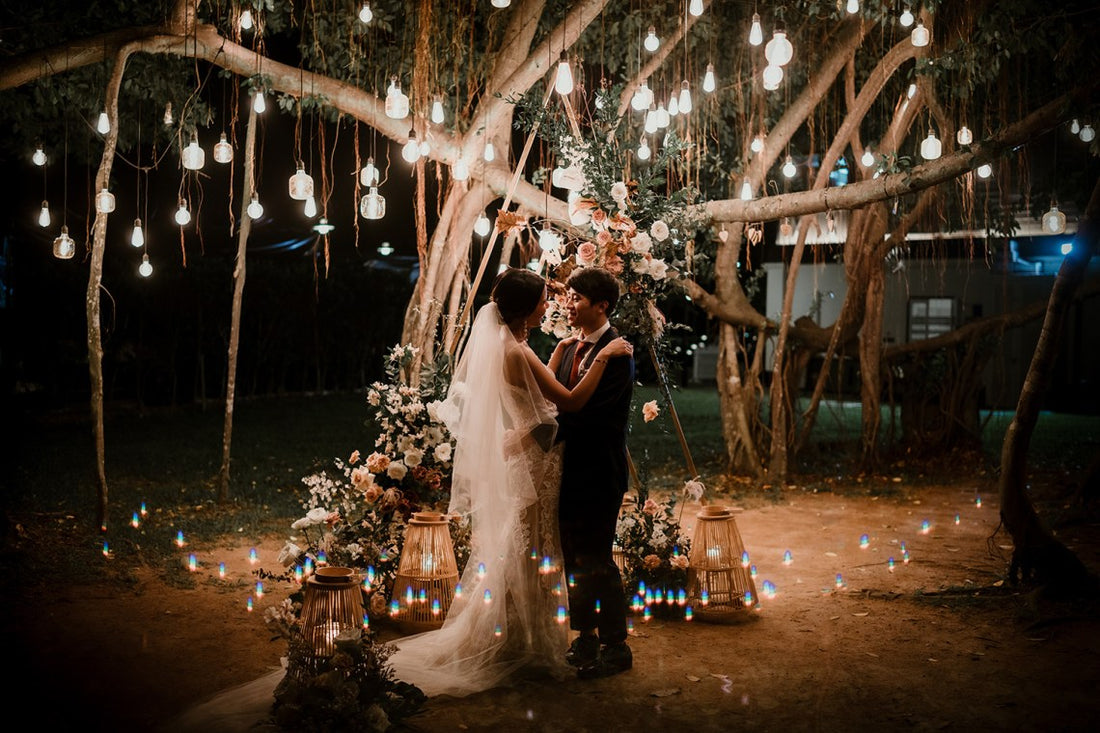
(622, 223)
(354, 458)
(603, 238)
(586, 253)
(599, 218)
(613, 264)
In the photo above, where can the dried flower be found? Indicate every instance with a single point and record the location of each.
(650, 507)
(354, 457)
(650, 411)
(651, 562)
(397, 470)
(694, 489)
(377, 462)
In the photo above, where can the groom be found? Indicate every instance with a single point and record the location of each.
(594, 479)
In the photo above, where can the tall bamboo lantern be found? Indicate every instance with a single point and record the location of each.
(720, 587)
(333, 606)
(427, 573)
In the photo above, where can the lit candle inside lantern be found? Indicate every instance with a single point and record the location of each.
(135, 520)
(925, 527)
(427, 563)
(221, 570)
(488, 596)
(259, 589)
(557, 589)
(252, 557)
(905, 556)
(839, 581)
(787, 559)
(649, 598)
(670, 597)
(435, 607)
(179, 539)
(630, 626)
(480, 570)
(249, 606)
(978, 502)
(641, 587)
(890, 565)
(713, 553)
(688, 614)
(192, 562)
(864, 542)
(744, 559)
(561, 614)
(956, 519)
(497, 632)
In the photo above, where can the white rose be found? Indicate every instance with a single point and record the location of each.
(641, 242)
(659, 230)
(413, 457)
(397, 470)
(443, 452)
(317, 515)
(618, 192)
(658, 269)
(433, 410)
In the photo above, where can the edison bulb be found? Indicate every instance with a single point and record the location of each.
(853, 7)
(663, 117)
(368, 176)
(643, 150)
(789, 168)
(652, 42)
(673, 105)
(105, 202)
(906, 18)
(183, 216)
(564, 82)
(411, 151)
(437, 112)
(930, 147)
(757, 144)
(461, 170)
(756, 32)
(482, 225)
(709, 84)
(104, 124)
(651, 120)
(255, 209)
(920, 35)
(366, 15)
(1075, 126)
(1054, 221)
(64, 247)
(137, 236)
(145, 269)
(985, 170)
(246, 20)
(490, 153)
(696, 7)
(685, 98)
(44, 215)
(868, 158)
(772, 76)
(259, 104)
(1087, 134)
(223, 151)
(642, 98)
(311, 207)
(964, 136)
(746, 191)
(779, 50)
(39, 157)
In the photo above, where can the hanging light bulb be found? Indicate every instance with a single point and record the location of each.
(425, 148)
(549, 240)
(709, 84)
(643, 97)
(44, 215)
(104, 124)
(105, 202)
(920, 35)
(246, 20)
(930, 147)
(259, 103)
(223, 151)
(193, 157)
(311, 207)
(685, 98)
(651, 125)
(490, 153)
(183, 216)
(482, 225)
(437, 111)
(757, 144)
(985, 170)
(563, 84)
(906, 18)
(756, 32)
(1087, 134)
(145, 269)
(673, 106)
(868, 158)
(255, 209)
(695, 7)
(772, 76)
(1054, 221)
(461, 170)
(964, 136)
(323, 226)
(912, 90)
(366, 15)
(652, 42)
(852, 7)
(39, 157)
(663, 117)
(411, 151)
(169, 120)
(789, 168)
(746, 191)
(137, 236)
(501, 3)
(1075, 126)
(643, 150)
(779, 50)
(397, 104)
(368, 176)
(63, 246)
(373, 205)
(300, 184)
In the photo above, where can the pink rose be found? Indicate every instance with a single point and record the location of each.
(624, 245)
(603, 238)
(651, 562)
(586, 253)
(650, 411)
(372, 493)
(599, 218)
(614, 265)
(650, 507)
(377, 462)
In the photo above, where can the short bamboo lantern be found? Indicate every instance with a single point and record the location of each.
(333, 606)
(720, 586)
(427, 573)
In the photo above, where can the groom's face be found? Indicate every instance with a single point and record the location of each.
(583, 313)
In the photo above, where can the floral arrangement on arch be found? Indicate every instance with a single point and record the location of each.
(357, 516)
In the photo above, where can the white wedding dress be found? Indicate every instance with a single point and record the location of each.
(510, 616)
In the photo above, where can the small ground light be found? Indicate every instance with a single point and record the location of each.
(497, 631)
(221, 570)
(787, 559)
(252, 557)
(192, 562)
(106, 550)
(135, 521)
(839, 580)
(864, 542)
(179, 539)
(143, 511)
(978, 502)
(925, 527)
(890, 565)
(561, 614)
(689, 614)
(259, 589)
(250, 604)
(956, 519)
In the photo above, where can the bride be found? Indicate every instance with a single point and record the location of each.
(501, 409)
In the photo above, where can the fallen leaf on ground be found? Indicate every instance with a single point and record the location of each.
(861, 614)
(666, 692)
(693, 678)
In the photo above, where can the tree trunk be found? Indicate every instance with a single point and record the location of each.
(238, 299)
(870, 360)
(1036, 554)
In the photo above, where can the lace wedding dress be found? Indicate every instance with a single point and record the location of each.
(507, 473)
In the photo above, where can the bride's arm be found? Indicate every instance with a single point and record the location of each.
(556, 357)
(571, 400)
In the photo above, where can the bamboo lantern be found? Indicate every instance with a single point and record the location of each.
(333, 605)
(427, 573)
(720, 587)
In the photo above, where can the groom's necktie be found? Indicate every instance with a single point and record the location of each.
(578, 357)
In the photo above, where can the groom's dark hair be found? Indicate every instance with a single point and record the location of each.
(516, 292)
(596, 284)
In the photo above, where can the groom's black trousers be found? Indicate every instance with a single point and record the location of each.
(587, 535)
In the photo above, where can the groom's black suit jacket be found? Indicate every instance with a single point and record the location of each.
(595, 436)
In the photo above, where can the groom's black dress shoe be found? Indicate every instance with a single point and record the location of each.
(584, 651)
(613, 659)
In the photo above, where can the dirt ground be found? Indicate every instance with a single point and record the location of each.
(938, 643)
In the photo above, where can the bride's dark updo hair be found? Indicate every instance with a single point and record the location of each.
(517, 292)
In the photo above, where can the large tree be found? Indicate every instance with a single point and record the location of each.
(1010, 72)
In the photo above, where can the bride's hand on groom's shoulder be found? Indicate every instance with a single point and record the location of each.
(617, 347)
